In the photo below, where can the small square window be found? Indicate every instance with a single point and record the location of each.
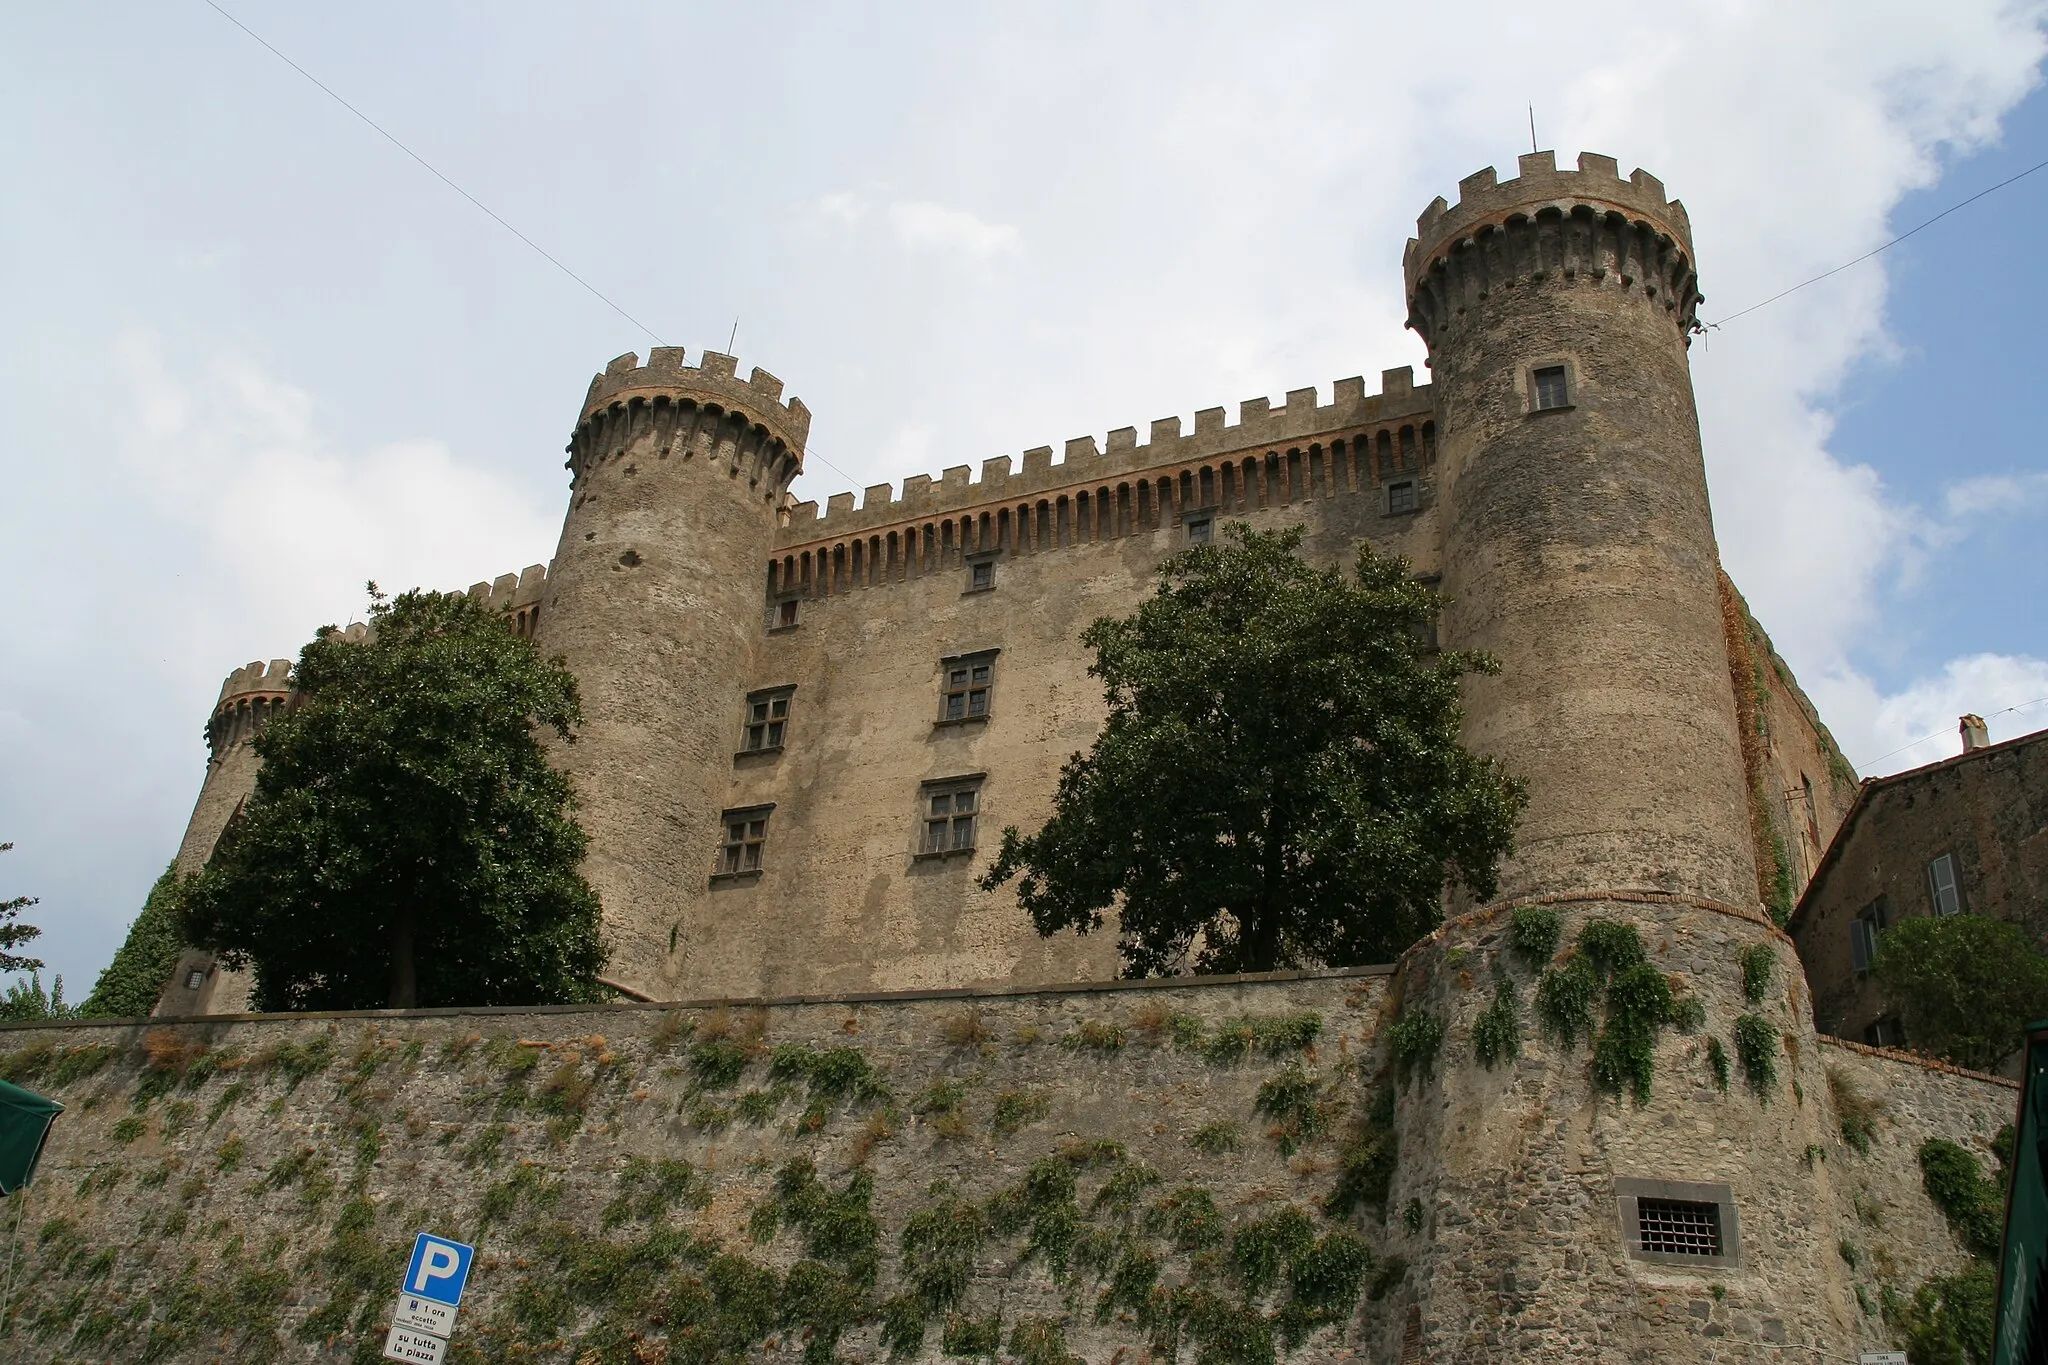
(966, 685)
(194, 979)
(1678, 1227)
(1679, 1223)
(1941, 885)
(1200, 530)
(1401, 497)
(950, 809)
(767, 720)
(746, 836)
(981, 575)
(1550, 388)
(785, 612)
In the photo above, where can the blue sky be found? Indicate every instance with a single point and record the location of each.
(1951, 408)
(258, 356)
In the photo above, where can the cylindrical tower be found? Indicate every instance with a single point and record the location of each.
(656, 600)
(1578, 548)
(250, 697)
(1663, 1202)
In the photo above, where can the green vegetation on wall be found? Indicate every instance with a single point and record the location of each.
(131, 983)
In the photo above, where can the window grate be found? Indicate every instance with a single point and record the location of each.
(1678, 1227)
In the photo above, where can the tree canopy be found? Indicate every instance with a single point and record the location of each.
(407, 842)
(14, 932)
(1279, 782)
(1964, 986)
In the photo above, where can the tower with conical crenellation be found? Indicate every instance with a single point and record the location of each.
(655, 599)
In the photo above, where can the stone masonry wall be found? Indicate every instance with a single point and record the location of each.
(1103, 1172)
(843, 902)
(1895, 1234)
(245, 1189)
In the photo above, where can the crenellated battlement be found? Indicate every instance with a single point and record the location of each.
(707, 415)
(256, 678)
(517, 595)
(250, 697)
(1588, 224)
(1261, 427)
(713, 381)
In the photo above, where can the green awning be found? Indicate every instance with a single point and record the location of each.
(25, 1119)
(2021, 1334)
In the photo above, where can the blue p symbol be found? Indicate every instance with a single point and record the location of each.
(438, 1270)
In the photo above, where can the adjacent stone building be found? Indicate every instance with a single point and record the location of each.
(1967, 835)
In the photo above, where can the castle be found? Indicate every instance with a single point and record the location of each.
(804, 730)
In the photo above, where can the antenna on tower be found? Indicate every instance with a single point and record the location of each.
(734, 337)
(1532, 128)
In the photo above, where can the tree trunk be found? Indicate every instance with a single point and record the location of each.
(405, 986)
(1262, 935)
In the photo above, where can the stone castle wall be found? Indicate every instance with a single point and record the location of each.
(246, 1188)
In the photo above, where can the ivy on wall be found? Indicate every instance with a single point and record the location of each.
(615, 1274)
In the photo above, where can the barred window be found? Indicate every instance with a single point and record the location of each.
(981, 575)
(1401, 496)
(1679, 1222)
(1550, 387)
(746, 835)
(1678, 1227)
(950, 810)
(1200, 530)
(968, 682)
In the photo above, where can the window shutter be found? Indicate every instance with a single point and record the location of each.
(1941, 885)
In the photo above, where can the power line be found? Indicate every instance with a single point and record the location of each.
(1879, 250)
(388, 137)
(487, 210)
(1939, 733)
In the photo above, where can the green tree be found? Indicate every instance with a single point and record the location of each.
(25, 999)
(1964, 986)
(129, 986)
(407, 842)
(14, 933)
(1279, 782)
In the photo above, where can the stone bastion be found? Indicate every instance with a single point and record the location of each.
(1114, 1172)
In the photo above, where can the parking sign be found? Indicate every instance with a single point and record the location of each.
(439, 1269)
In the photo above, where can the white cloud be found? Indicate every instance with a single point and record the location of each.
(843, 207)
(922, 225)
(2003, 494)
(1887, 733)
(919, 223)
(232, 463)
